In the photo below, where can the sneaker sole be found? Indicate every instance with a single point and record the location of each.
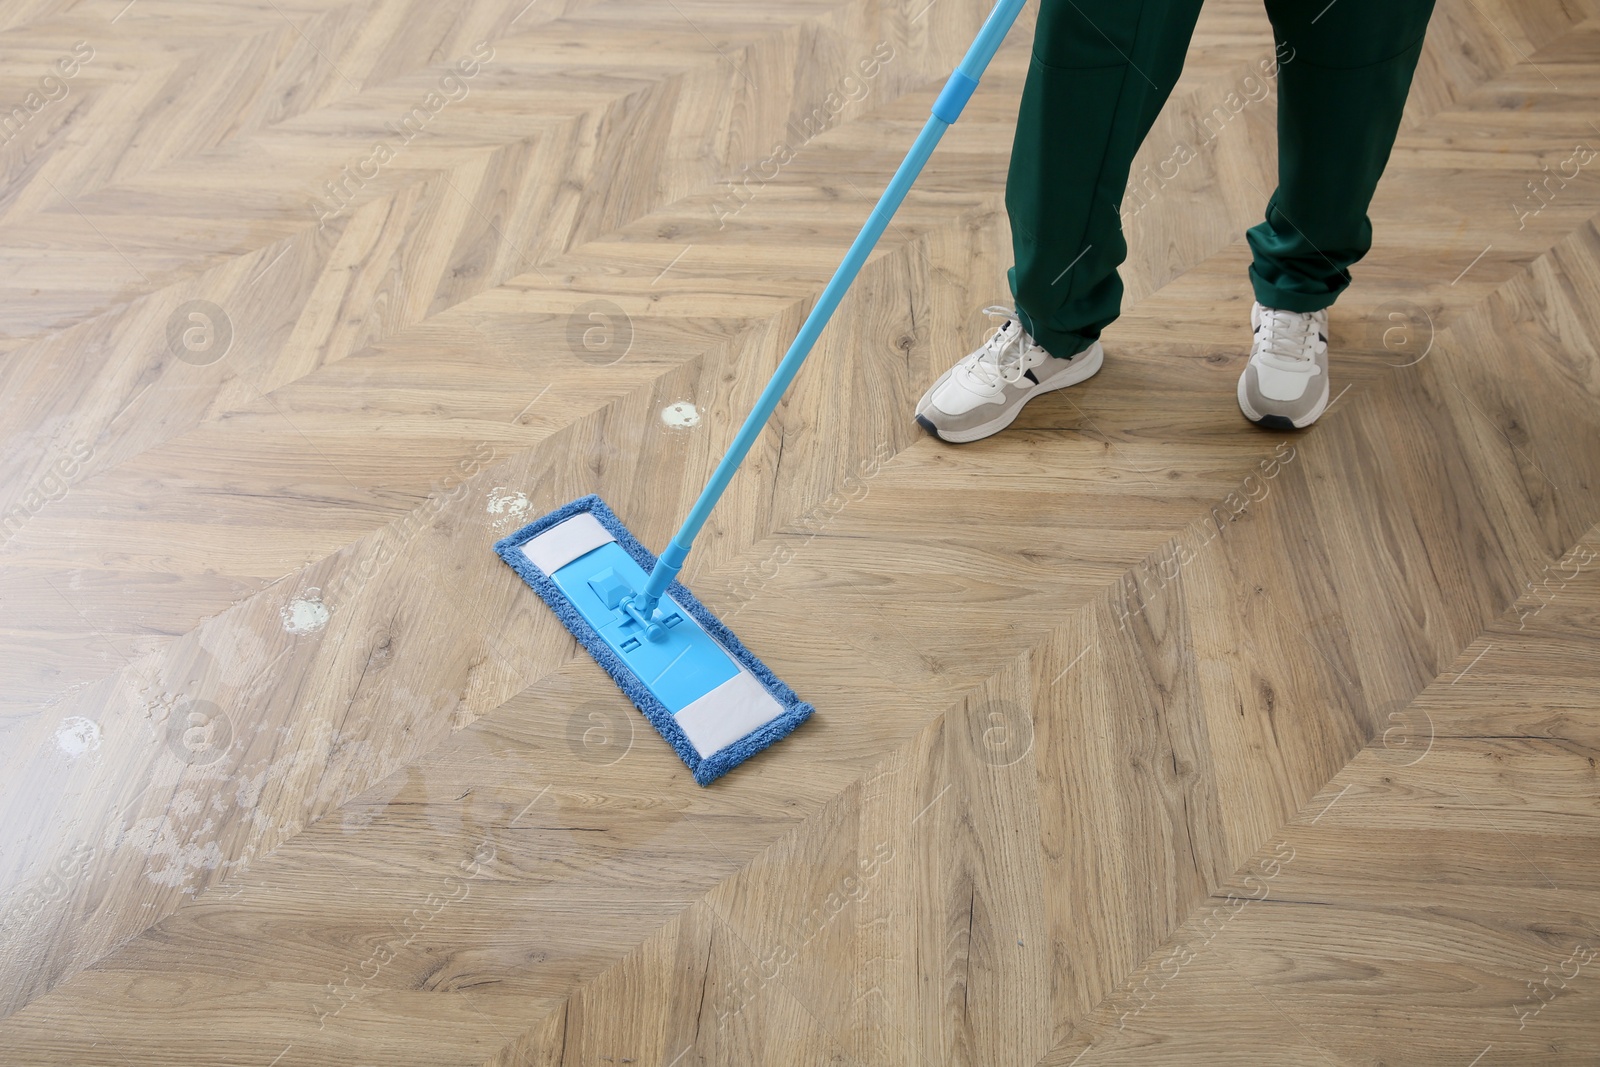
(1280, 422)
(1089, 368)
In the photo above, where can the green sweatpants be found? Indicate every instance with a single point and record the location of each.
(1102, 69)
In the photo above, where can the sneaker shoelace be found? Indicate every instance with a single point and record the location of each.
(1288, 337)
(1000, 358)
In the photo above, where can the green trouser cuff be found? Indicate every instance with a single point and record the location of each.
(1335, 129)
(1059, 343)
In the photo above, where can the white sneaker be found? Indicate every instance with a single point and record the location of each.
(1285, 384)
(983, 393)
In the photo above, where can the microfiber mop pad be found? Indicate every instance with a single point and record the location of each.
(702, 690)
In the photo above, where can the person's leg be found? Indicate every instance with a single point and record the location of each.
(1100, 71)
(1344, 71)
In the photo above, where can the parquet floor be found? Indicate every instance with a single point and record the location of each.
(1143, 737)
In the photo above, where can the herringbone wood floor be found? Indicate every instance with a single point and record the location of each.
(1142, 736)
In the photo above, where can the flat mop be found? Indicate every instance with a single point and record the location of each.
(707, 694)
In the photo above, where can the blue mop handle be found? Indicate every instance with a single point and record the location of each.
(946, 109)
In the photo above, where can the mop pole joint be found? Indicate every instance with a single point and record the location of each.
(953, 97)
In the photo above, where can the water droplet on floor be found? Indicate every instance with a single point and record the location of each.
(508, 508)
(77, 735)
(680, 415)
(305, 616)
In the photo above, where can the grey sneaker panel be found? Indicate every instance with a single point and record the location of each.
(1301, 412)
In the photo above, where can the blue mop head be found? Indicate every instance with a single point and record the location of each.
(702, 690)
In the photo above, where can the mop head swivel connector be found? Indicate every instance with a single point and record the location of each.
(702, 690)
